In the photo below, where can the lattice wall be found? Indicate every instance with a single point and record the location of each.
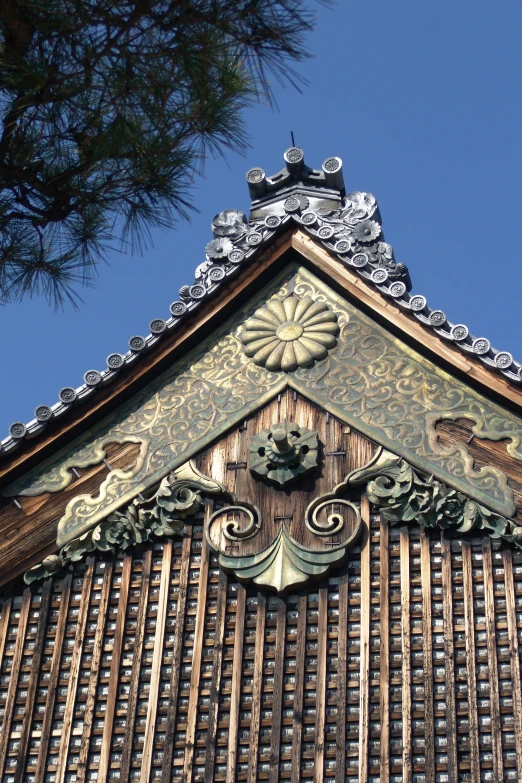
(402, 667)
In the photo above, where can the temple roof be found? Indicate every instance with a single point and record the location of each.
(348, 226)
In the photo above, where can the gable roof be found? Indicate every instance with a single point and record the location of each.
(347, 226)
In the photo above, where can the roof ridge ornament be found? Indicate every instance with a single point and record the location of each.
(349, 228)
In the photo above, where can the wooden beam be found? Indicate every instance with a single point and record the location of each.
(21, 756)
(297, 718)
(74, 672)
(157, 658)
(13, 678)
(172, 707)
(364, 676)
(114, 672)
(491, 635)
(469, 625)
(197, 653)
(257, 686)
(320, 698)
(449, 659)
(235, 696)
(427, 656)
(514, 653)
(141, 621)
(215, 685)
(54, 674)
(277, 697)
(384, 651)
(407, 763)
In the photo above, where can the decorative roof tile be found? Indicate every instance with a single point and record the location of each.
(347, 225)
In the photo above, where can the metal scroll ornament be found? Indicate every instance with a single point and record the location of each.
(288, 334)
(284, 453)
(407, 496)
(178, 496)
(285, 562)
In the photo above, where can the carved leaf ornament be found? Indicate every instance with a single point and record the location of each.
(402, 494)
(163, 514)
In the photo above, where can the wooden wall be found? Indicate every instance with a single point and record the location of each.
(403, 666)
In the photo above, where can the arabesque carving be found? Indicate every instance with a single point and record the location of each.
(163, 514)
(370, 380)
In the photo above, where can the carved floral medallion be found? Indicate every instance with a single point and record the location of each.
(291, 333)
(284, 453)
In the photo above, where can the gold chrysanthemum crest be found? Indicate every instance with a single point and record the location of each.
(290, 333)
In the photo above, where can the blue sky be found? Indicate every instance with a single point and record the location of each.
(422, 102)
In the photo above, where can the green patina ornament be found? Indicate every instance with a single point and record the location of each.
(284, 453)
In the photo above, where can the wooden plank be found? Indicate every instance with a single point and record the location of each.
(469, 625)
(88, 714)
(172, 707)
(491, 635)
(407, 756)
(384, 652)
(4, 624)
(21, 756)
(114, 673)
(320, 699)
(364, 676)
(157, 658)
(237, 669)
(427, 655)
(514, 654)
(215, 687)
(74, 672)
(297, 719)
(54, 674)
(141, 620)
(257, 685)
(449, 659)
(197, 654)
(13, 677)
(277, 697)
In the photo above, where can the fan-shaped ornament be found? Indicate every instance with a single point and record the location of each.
(290, 333)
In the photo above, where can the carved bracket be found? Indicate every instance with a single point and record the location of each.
(178, 496)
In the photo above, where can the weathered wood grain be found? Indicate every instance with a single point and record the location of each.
(112, 696)
(427, 655)
(237, 667)
(449, 659)
(364, 676)
(297, 718)
(13, 678)
(53, 678)
(384, 652)
(407, 762)
(514, 654)
(489, 600)
(257, 685)
(136, 667)
(74, 671)
(157, 658)
(172, 708)
(469, 619)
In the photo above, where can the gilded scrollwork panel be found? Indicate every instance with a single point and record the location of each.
(369, 378)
